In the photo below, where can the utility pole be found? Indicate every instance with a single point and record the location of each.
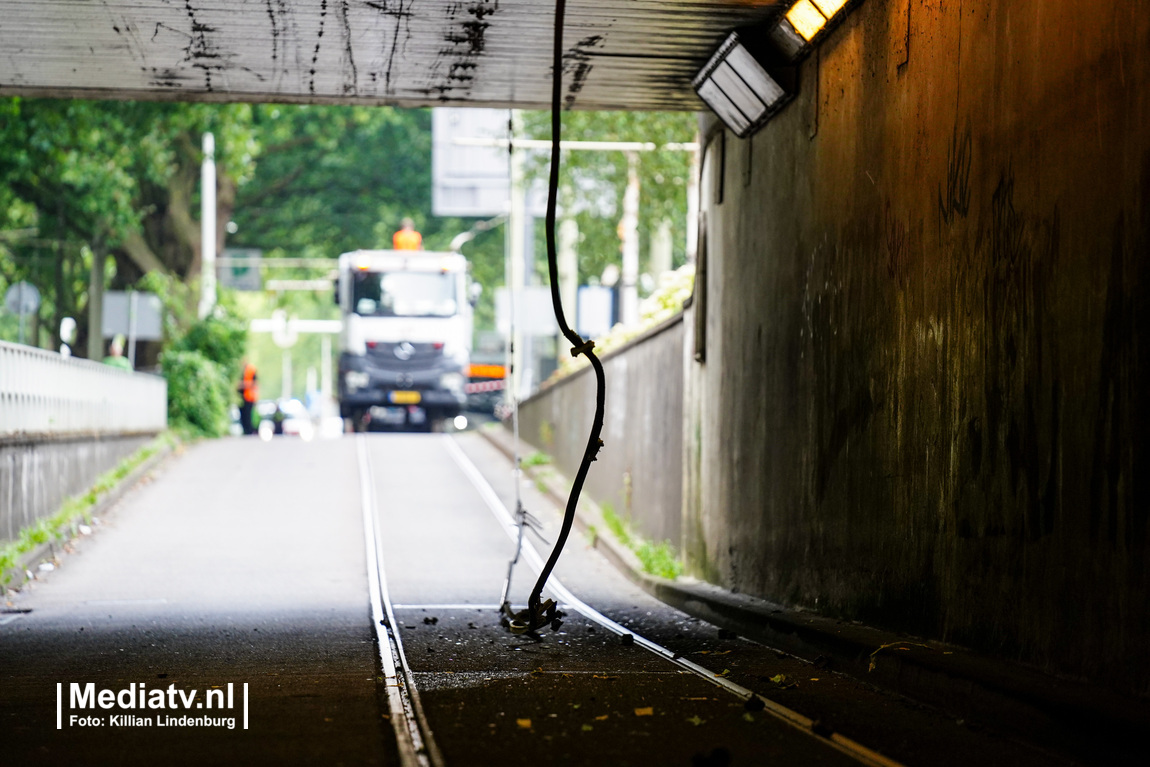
(662, 246)
(569, 269)
(208, 227)
(629, 299)
(516, 249)
(96, 302)
(693, 206)
(325, 367)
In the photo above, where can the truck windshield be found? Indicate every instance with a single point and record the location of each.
(403, 294)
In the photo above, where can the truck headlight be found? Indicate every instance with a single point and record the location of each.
(457, 353)
(451, 381)
(356, 379)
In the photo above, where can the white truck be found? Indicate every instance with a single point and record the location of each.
(405, 341)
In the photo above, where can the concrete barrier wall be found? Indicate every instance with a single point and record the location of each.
(63, 422)
(639, 470)
(37, 475)
(924, 401)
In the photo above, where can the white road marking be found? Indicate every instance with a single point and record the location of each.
(446, 607)
(126, 602)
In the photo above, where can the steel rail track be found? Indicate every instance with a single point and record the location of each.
(417, 747)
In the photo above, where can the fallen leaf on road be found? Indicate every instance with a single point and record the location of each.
(814, 679)
(647, 711)
(603, 676)
(695, 720)
(748, 717)
(587, 728)
(524, 723)
(602, 718)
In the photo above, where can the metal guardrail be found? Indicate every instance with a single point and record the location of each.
(42, 393)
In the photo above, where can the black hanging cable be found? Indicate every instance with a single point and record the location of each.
(536, 615)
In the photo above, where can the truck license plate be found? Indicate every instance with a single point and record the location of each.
(391, 416)
(405, 397)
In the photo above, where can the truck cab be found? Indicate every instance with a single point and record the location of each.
(405, 340)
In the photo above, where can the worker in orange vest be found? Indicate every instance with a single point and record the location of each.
(407, 238)
(249, 392)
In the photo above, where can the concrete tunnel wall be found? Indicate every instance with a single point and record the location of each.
(638, 471)
(924, 398)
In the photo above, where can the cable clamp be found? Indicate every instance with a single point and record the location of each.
(584, 348)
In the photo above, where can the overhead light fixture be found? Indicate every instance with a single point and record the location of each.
(803, 23)
(738, 87)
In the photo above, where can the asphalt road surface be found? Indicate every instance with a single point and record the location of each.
(247, 563)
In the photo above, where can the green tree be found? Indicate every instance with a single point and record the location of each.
(334, 179)
(592, 183)
(85, 179)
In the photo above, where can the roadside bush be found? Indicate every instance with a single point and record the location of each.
(199, 393)
(203, 367)
(220, 337)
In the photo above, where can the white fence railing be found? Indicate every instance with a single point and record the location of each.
(44, 393)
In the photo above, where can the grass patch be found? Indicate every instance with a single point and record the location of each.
(658, 559)
(616, 525)
(536, 459)
(59, 526)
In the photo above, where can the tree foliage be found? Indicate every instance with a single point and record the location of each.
(199, 393)
(592, 182)
(334, 179)
(80, 180)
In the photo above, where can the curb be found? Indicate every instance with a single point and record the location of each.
(999, 694)
(50, 551)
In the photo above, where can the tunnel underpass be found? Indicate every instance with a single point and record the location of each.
(895, 437)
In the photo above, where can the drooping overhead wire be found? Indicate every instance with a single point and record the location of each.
(578, 345)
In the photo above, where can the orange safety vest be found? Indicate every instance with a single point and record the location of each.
(251, 390)
(406, 239)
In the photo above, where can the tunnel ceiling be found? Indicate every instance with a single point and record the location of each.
(620, 54)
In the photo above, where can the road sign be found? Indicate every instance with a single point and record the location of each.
(135, 315)
(474, 181)
(240, 274)
(22, 298)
